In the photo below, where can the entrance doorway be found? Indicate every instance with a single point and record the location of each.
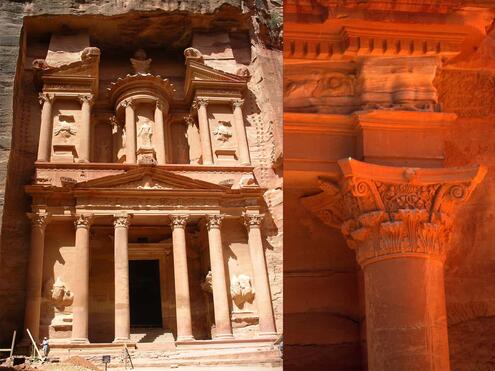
(144, 292)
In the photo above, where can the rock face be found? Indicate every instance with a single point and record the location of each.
(233, 37)
(403, 86)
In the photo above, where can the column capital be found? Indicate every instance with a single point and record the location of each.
(214, 221)
(198, 102)
(253, 220)
(178, 221)
(86, 98)
(46, 97)
(384, 211)
(83, 220)
(121, 220)
(39, 220)
(237, 103)
(129, 102)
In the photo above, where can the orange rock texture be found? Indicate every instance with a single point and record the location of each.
(401, 88)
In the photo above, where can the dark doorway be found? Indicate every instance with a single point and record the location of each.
(144, 292)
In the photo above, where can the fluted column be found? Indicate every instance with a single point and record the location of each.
(161, 157)
(204, 130)
(46, 128)
(260, 274)
(240, 131)
(130, 131)
(34, 277)
(223, 326)
(85, 128)
(182, 297)
(398, 220)
(80, 306)
(121, 261)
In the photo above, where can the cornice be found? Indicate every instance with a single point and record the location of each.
(316, 123)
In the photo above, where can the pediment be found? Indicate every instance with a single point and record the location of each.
(149, 179)
(199, 74)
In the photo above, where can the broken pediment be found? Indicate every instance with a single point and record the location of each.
(198, 75)
(149, 179)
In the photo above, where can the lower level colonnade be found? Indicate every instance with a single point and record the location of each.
(178, 223)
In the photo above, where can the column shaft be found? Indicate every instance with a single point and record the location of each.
(85, 144)
(161, 157)
(261, 282)
(130, 133)
(240, 131)
(46, 128)
(204, 132)
(80, 306)
(34, 277)
(182, 296)
(223, 326)
(406, 315)
(122, 307)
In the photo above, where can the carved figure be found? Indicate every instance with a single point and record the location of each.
(192, 53)
(206, 284)
(140, 62)
(65, 129)
(145, 133)
(241, 290)
(222, 132)
(60, 295)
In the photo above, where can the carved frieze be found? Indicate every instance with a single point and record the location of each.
(383, 211)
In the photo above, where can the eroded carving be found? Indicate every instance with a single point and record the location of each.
(241, 290)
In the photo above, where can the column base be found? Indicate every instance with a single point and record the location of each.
(79, 341)
(185, 338)
(223, 336)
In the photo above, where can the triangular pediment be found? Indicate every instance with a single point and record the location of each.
(149, 179)
(199, 75)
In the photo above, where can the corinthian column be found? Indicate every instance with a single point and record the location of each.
(240, 131)
(80, 306)
(130, 132)
(85, 144)
(182, 297)
(46, 128)
(34, 277)
(204, 130)
(398, 220)
(161, 157)
(260, 274)
(122, 307)
(223, 327)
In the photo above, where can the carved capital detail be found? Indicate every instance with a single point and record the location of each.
(39, 220)
(237, 103)
(86, 98)
(83, 220)
(121, 221)
(127, 103)
(387, 211)
(45, 97)
(189, 120)
(178, 221)
(214, 221)
(198, 102)
(253, 220)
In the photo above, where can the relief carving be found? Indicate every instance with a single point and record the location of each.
(65, 128)
(206, 285)
(145, 134)
(241, 290)
(61, 298)
(141, 63)
(223, 132)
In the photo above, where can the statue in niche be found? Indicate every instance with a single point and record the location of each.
(60, 295)
(140, 62)
(222, 132)
(241, 290)
(206, 285)
(65, 128)
(145, 133)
